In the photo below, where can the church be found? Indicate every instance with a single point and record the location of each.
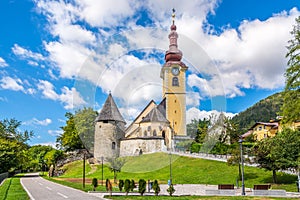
(156, 128)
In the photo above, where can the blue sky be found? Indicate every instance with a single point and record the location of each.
(58, 56)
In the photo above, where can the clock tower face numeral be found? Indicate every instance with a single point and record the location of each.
(175, 71)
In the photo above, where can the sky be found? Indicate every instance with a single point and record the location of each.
(61, 56)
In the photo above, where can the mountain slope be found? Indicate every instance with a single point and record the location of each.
(262, 111)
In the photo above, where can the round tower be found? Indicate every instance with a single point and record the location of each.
(109, 130)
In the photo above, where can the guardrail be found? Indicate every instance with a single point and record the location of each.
(3, 176)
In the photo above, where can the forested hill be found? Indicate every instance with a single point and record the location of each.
(262, 111)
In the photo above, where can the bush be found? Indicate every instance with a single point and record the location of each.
(121, 184)
(156, 187)
(171, 190)
(142, 186)
(132, 185)
(127, 186)
(195, 147)
(94, 183)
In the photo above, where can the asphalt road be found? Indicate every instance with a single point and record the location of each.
(40, 189)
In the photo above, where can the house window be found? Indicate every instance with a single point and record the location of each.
(175, 81)
(113, 145)
(145, 133)
(259, 128)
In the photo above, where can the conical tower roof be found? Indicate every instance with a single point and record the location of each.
(110, 111)
(154, 116)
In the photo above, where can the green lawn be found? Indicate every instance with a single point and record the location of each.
(12, 189)
(184, 171)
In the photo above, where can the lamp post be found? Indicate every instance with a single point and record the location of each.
(242, 163)
(170, 168)
(83, 175)
(102, 168)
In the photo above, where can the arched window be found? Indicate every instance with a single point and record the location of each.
(113, 145)
(175, 81)
(154, 133)
(145, 133)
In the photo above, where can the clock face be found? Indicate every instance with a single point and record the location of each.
(175, 71)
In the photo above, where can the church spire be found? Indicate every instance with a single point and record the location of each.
(173, 54)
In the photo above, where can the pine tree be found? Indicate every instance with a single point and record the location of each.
(291, 106)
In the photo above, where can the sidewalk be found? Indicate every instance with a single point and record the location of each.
(189, 190)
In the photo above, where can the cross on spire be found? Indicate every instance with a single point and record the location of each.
(173, 15)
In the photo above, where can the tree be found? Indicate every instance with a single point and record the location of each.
(84, 124)
(121, 185)
(202, 128)
(287, 149)
(280, 152)
(291, 105)
(78, 133)
(13, 147)
(142, 186)
(9, 129)
(127, 186)
(94, 183)
(156, 187)
(36, 156)
(115, 165)
(171, 190)
(69, 140)
(264, 156)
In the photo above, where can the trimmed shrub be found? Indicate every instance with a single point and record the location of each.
(94, 183)
(142, 186)
(127, 186)
(121, 185)
(171, 190)
(156, 187)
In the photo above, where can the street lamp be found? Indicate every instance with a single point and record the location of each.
(242, 163)
(170, 168)
(102, 168)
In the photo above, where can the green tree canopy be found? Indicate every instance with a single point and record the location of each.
(78, 133)
(13, 147)
(291, 106)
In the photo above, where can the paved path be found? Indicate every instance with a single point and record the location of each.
(40, 189)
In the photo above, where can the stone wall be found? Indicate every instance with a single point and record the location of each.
(136, 146)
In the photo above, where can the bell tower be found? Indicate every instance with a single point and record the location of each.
(173, 75)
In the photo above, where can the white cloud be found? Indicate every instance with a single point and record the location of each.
(55, 132)
(52, 144)
(26, 54)
(85, 46)
(195, 113)
(9, 83)
(69, 97)
(3, 63)
(35, 121)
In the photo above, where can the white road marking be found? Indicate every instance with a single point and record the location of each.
(40, 184)
(62, 195)
(49, 188)
(29, 194)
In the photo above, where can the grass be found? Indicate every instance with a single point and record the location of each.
(12, 189)
(185, 170)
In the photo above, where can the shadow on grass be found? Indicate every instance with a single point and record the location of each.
(282, 178)
(250, 175)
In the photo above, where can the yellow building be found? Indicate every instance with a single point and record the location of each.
(261, 130)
